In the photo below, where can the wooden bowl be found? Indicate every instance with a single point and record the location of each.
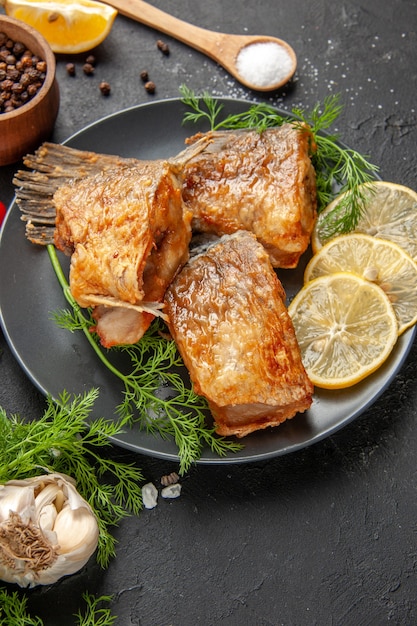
(25, 128)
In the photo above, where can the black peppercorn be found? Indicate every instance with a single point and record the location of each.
(144, 76)
(163, 47)
(22, 74)
(18, 48)
(88, 69)
(32, 90)
(150, 86)
(70, 67)
(105, 88)
(91, 60)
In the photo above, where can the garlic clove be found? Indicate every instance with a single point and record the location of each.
(46, 519)
(47, 495)
(76, 530)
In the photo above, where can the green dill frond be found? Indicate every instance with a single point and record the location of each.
(202, 107)
(95, 613)
(321, 117)
(13, 610)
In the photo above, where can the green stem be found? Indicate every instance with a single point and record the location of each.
(70, 299)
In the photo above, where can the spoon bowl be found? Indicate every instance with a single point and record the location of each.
(259, 62)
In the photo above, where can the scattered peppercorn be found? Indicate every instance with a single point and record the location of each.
(150, 86)
(163, 47)
(144, 76)
(70, 67)
(41, 66)
(22, 74)
(88, 69)
(105, 88)
(91, 59)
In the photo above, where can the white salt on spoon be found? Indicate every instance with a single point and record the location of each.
(258, 62)
(264, 63)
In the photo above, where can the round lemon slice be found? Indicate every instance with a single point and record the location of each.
(346, 328)
(377, 260)
(69, 26)
(390, 213)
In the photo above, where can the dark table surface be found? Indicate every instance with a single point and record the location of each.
(326, 535)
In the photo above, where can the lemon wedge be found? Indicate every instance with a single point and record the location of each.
(377, 260)
(390, 213)
(345, 326)
(69, 26)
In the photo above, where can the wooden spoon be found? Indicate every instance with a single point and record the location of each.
(223, 48)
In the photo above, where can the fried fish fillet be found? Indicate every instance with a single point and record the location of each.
(127, 233)
(228, 318)
(261, 182)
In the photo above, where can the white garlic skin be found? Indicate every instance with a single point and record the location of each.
(58, 523)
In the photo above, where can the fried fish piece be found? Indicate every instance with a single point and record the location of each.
(127, 233)
(228, 318)
(261, 182)
(49, 167)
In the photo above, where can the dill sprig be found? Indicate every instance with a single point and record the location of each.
(66, 440)
(155, 397)
(95, 613)
(14, 611)
(338, 169)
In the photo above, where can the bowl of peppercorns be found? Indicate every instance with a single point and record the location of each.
(29, 93)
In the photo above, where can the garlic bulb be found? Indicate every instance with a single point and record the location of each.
(47, 530)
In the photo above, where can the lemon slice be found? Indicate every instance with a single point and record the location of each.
(380, 261)
(390, 213)
(69, 26)
(345, 327)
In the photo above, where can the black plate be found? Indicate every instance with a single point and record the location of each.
(55, 359)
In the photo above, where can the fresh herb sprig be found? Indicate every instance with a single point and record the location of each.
(95, 614)
(180, 413)
(64, 439)
(338, 169)
(14, 611)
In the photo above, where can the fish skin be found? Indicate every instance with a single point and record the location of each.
(228, 318)
(261, 182)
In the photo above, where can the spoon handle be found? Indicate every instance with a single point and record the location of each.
(221, 47)
(205, 41)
